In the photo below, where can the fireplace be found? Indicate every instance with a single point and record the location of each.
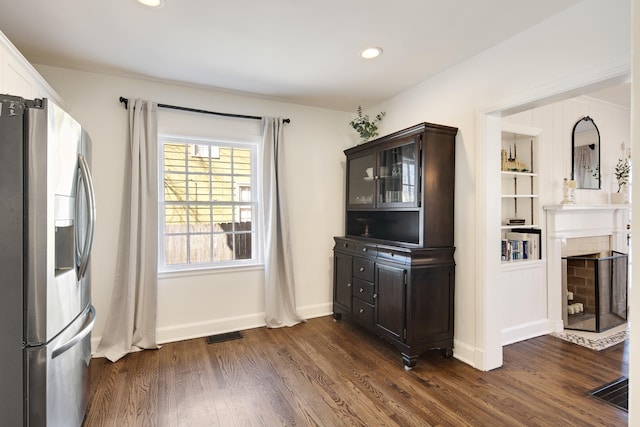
(576, 231)
(596, 286)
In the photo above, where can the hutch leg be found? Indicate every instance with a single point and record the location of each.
(337, 316)
(447, 353)
(409, 361)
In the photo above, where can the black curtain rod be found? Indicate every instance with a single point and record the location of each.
(125, 101)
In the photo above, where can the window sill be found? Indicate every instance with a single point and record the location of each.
(208, 270)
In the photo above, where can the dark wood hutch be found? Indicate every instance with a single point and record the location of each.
(394, 268)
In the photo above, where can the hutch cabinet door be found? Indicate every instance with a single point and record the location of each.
(390, 300)
(399, 174)
(342, 282)
(361, 183)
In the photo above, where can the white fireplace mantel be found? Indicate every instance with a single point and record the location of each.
(576, 221)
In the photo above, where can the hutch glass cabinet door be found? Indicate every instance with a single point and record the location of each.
(362, 181)
(399, 175)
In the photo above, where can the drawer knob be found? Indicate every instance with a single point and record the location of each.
(361, 310)
(348, 285)
(375, 296)
(361, 268)
(361, 290)
(364, 249)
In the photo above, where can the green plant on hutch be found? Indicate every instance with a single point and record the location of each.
(365, 126)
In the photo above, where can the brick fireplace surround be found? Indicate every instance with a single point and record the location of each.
(577, 230)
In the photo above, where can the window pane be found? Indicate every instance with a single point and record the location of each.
(175, 250)
(244, 215)
(243, 189)
(222, 190)
(199, 188)
(243, 246)
(222, 249)
(242, 161)
(198, 164)
(200, 219)
(175, 187)
(200, 248)
(175, 157)
(223, 218)
(175, 218)
(222, 165)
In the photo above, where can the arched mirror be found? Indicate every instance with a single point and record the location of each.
(585, 154)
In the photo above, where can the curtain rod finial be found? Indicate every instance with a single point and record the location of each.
(125, 101)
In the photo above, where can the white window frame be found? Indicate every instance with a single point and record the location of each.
(256, 234)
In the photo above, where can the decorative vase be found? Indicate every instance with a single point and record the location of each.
(621, 197)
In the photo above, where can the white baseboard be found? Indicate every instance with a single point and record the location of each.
(464, 352)
(528, 330)
(318, 310)
(186, 331)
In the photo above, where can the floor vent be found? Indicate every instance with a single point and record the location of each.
(615, 393)
(212, 339)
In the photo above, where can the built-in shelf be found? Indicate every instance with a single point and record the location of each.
(519, 197)
(512, 227)
(522, 196)
(514, 173)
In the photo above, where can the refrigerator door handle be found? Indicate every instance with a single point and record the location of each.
(87, 184)
(86, 330)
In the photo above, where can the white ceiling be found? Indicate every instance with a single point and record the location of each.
(293, 50)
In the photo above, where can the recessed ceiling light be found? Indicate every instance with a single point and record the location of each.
(372, 52)
(152, 3)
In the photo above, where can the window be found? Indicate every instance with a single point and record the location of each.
(208, 204)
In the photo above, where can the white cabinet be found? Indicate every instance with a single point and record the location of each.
(16, 81)
(18, 77)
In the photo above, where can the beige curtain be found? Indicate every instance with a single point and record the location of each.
(280, 304)
(131, 321)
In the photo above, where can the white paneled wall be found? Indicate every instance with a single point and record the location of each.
(557, 121)
(523, 295)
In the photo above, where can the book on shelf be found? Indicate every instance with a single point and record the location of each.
(521, 244)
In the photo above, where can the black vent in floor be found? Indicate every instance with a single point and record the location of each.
(212, 339)
(615, 393)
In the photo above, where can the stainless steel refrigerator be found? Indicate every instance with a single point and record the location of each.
(47, 217)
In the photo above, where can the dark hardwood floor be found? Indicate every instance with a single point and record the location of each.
(326, 373)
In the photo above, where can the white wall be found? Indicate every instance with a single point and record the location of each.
(553, 59)
(204, 303)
